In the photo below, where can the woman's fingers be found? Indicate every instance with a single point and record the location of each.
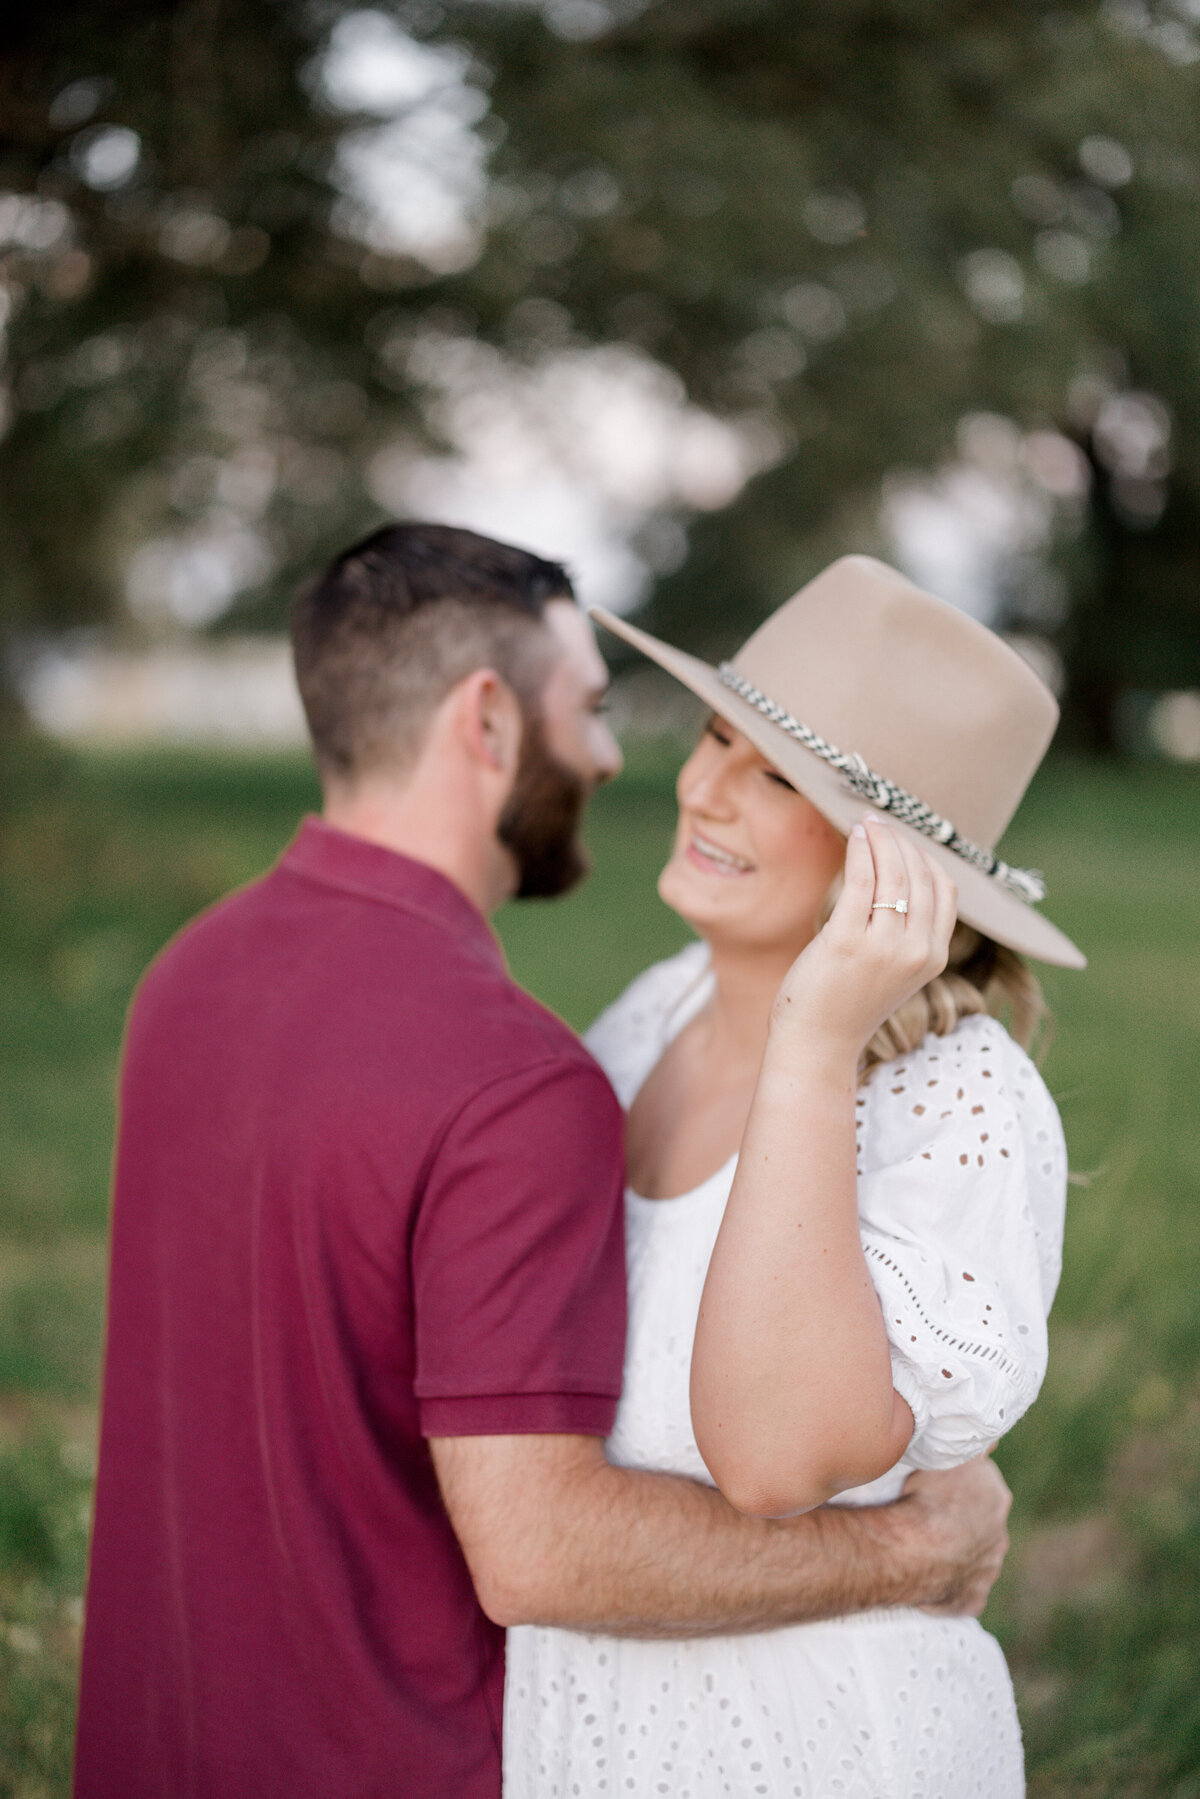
(919, 876)
(933, 897)
(891, 875)
(904, 869)
(853, 907)
(945, 909)
(933, 905)
(883, 865)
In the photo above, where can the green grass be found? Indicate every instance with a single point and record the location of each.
(104, 856)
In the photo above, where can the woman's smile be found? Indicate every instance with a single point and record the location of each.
(708, 856)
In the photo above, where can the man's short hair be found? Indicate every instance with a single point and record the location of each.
(398, 620)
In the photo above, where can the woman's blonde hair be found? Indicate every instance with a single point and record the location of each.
(980, 976)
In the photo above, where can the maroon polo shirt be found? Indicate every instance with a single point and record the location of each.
(367, 1192)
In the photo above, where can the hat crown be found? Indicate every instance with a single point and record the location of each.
(928, 697)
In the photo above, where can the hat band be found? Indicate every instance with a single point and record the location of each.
(1026, 883)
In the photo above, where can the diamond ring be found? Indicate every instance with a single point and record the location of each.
(890, 906)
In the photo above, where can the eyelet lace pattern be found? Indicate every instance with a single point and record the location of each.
(962, 1174)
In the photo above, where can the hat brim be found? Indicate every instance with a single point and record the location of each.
(982, 902)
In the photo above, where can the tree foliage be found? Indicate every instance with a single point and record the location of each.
(846, 226)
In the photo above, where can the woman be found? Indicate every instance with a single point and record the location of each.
(864, 1167)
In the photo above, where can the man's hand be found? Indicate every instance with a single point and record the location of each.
(961, 1517)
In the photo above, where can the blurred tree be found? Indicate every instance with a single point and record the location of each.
(173, 303)
(845, 225)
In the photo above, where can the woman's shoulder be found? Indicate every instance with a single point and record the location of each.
(974, 1081)
(977, 1057)
(971, 1113)
(639, 1022)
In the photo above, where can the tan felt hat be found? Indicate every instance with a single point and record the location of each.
(862, 689)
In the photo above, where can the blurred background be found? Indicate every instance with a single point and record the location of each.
(694, 295)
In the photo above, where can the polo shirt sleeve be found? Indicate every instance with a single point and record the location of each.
(518, 1260)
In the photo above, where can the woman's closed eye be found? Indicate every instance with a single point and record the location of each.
(719, 731)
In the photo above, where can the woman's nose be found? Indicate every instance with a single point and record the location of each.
(705, 786)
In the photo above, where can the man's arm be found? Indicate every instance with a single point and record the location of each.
(555, 1535)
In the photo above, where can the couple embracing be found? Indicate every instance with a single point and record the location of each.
(675, 1357)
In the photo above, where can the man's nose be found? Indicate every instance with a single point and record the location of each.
(610, 759)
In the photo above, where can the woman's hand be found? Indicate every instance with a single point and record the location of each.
(870, 958)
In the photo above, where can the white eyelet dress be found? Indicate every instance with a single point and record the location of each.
(962, 1178)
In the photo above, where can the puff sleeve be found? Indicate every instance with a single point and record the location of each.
(962, 1183)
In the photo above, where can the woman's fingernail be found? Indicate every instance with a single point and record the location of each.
(858, 831)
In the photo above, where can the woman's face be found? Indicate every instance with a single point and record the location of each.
(753, 861)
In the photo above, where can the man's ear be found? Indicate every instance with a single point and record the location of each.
(488, 720)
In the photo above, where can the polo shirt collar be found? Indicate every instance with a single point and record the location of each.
(336, 858)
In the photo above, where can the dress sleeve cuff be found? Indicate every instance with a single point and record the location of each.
(908, 1384)
(519, 1414)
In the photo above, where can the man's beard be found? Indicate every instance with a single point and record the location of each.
(540, 823)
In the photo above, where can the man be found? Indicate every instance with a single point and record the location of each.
(367, 1293)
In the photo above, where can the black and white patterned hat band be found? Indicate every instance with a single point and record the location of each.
(1026, 883)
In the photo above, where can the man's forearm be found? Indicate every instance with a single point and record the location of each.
(654, 1555)
(580, 1544)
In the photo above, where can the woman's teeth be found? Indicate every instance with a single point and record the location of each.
(723, 859)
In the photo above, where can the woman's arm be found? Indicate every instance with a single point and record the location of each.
(792, 1397)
